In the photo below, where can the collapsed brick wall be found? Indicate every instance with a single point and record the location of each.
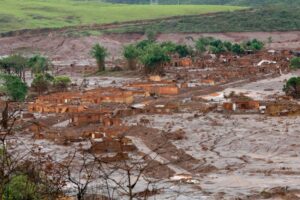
(76, 102)
(104, 118)
(159, 88)
(228, 67)
(113, 145)
(282, 109)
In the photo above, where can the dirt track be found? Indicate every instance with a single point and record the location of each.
(59, 47)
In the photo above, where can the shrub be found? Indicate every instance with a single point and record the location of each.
(38, 64)
(131, 53)
(20, 187)
(254, 45)
(227, 45)
(168, 47)
(295, 63)
(217, 49)
(217, 46)
(237, 49)
(214, 45)
(61, 82)
(202, 43)
(153, 57)
(142, 45)
(41, 82)
(183, 50)
(14, 88)
(292, 87)
(151, 34)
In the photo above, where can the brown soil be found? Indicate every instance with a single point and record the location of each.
(160, 144)
(59, 47)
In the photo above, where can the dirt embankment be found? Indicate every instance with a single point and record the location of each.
(60, 47)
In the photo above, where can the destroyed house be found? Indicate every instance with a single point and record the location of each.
(73, 102)
(247, 105)
(104, 117)
(86, 118)
(177, 61)
(282, 108)
(110, 144)
(55, 108)
(242, 105)
(158, 88)
(108, 95)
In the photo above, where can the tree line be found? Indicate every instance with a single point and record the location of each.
(152, 55)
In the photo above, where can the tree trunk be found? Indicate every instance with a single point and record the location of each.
(24, 75)
(101, 65)
(79, 196)
(4, 121)
(131, 64)
(129, 185)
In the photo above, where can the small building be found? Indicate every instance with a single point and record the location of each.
(158, 88)
(242, 105)
(208, 82)
(84, 118)
(113, 144)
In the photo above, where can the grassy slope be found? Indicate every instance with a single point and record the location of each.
(259, 19)
(29, 14)
(213, 2)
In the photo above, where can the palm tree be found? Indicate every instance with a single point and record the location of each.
(99, 53)
(38, 64)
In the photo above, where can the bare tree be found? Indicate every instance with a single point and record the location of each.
(79, 171)
(120, 178)
(40, 169)
(8, 163)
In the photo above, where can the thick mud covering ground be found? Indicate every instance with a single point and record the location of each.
(59, 47)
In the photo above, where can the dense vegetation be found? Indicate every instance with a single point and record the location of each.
(217, 46)
(152, 55)
(275, 18)
(13, 76)
(13, 87)
(30, 14)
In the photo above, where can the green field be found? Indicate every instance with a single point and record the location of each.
(31, 14)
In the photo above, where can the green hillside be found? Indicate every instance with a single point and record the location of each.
(212, 2)
(31, 14)
(274, 18)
